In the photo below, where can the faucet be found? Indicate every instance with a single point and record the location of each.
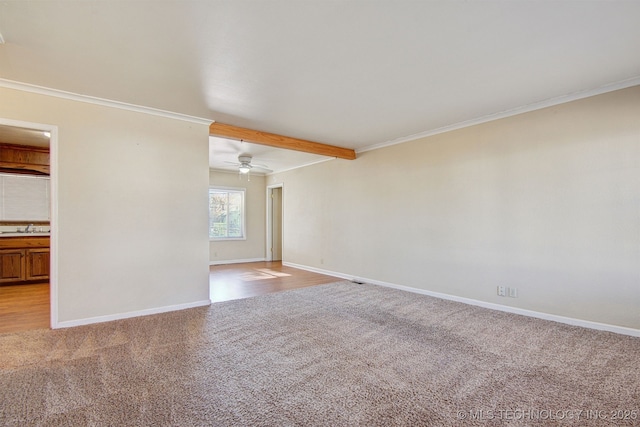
(26, 229)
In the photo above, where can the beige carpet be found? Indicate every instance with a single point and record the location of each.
(334, 355)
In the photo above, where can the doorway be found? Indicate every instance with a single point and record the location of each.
(275, 215)
(29, 301)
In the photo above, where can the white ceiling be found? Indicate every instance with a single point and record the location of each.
(353, 73)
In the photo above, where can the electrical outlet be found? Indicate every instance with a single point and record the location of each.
(502, 291)
(513, 292)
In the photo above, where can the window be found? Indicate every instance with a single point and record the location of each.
(24, 198)
(226, 214)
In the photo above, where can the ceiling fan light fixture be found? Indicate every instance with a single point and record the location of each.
(244, 169)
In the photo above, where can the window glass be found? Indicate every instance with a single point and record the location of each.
(226, 213)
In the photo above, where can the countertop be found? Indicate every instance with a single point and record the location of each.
(14, 234)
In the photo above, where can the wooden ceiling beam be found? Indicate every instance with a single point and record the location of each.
(274, 140)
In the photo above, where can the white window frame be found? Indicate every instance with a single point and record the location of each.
(243, 212)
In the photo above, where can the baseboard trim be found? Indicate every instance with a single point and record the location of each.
(515, 310)
(319, 270)
(236, 261)
(119, 316)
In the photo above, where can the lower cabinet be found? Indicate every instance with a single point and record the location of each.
(12, 265)
(37, 264)
(18, 265)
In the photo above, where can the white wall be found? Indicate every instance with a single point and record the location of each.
(547, 202)
(132, 207)
(253, 248)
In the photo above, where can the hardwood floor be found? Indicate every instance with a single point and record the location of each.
(235, 281)
(24, 307)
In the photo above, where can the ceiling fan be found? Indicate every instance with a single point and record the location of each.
(245, 165)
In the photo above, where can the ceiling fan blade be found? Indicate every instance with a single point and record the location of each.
(232, 163)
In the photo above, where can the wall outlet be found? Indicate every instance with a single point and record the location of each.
(505, 291)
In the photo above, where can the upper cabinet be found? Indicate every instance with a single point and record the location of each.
(24, 159)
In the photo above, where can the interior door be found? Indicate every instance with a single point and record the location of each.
(276, 224)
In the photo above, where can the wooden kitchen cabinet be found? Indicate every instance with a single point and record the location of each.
(24, 159)
(12, 265)
(37, 264)
(24, 259)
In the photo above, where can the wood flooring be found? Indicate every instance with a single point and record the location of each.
(26, 307)
(235, 281)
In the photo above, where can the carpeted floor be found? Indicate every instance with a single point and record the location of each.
(336, 355)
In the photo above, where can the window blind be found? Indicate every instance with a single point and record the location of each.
(24, 198)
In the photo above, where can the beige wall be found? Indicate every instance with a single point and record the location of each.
(547, 202)
(132, 206)
(253, 248)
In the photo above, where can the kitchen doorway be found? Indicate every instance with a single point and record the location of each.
(275, 216)
(32, 303)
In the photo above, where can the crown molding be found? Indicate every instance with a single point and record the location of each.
(275, 172)
(315, 162)
(235, 172)
(622, 84)
(41, 90)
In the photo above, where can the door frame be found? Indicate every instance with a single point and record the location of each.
(53, 223)
(269, 216)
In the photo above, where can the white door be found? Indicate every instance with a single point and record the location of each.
(275, 215)
(276, 224)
